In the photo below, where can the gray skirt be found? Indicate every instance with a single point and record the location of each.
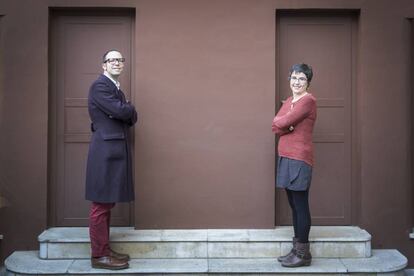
(293, 174)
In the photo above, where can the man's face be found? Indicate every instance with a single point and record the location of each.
(113, 64)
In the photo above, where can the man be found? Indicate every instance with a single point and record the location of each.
(109, 170)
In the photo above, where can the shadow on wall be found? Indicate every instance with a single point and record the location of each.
(4, 194)
(3, 201)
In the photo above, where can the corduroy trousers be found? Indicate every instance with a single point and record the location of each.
(99, 223)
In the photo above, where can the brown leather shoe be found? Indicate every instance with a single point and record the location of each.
(109, 262)
(119, 256)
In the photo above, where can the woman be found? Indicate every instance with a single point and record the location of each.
(294, 124)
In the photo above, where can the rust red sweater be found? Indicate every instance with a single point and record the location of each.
(301, 115)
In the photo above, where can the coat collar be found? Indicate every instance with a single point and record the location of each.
(105, 79)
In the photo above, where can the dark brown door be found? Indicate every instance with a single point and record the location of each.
(327, 43)
(78, 41)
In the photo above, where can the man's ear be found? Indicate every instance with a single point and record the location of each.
(104, 66)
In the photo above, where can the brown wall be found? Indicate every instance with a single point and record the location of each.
(205, 89)
(206, 97)
(23, 154)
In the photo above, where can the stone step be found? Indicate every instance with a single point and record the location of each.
(389, 262)
(326, 242)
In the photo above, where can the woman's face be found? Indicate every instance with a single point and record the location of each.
(298, 83)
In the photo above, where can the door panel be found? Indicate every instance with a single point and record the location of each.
(78, 41)
(326, 43)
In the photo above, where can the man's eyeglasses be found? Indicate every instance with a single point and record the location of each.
(115, 60)
(301, 79)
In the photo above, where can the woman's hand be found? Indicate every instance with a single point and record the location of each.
(278, 130)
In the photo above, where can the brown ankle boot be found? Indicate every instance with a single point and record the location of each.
(301, 257)
(292, 251)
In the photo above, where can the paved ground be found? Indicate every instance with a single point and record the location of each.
(408, 272)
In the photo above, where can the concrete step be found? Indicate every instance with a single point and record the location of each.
(326, 242)
(389, 262)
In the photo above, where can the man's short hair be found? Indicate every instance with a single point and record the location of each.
(107, 52)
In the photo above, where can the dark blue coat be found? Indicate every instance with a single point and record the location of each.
(109, 168)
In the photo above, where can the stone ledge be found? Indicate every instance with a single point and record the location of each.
(326, 242)
(389, 262)
(320, 266)
(162, 250)
(279, 234)
(28, 262)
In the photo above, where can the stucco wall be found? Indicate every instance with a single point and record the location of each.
(220, 53)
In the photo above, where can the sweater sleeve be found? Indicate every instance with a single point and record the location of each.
(279, 131)
(299, 112)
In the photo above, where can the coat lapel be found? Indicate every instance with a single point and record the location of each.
(115, 90)
(106, 80)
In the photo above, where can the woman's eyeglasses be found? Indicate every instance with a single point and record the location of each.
(301, 79)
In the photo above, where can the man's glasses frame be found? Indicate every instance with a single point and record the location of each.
(114, 60)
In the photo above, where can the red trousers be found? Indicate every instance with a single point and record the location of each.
(99, 222)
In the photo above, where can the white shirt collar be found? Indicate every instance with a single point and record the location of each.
(117, 83)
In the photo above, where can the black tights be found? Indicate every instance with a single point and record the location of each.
(299, 203)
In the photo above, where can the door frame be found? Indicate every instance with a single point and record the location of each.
(355, 119)
(52, 155)
(411, 114)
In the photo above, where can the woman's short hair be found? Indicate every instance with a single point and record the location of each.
(302, 68)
